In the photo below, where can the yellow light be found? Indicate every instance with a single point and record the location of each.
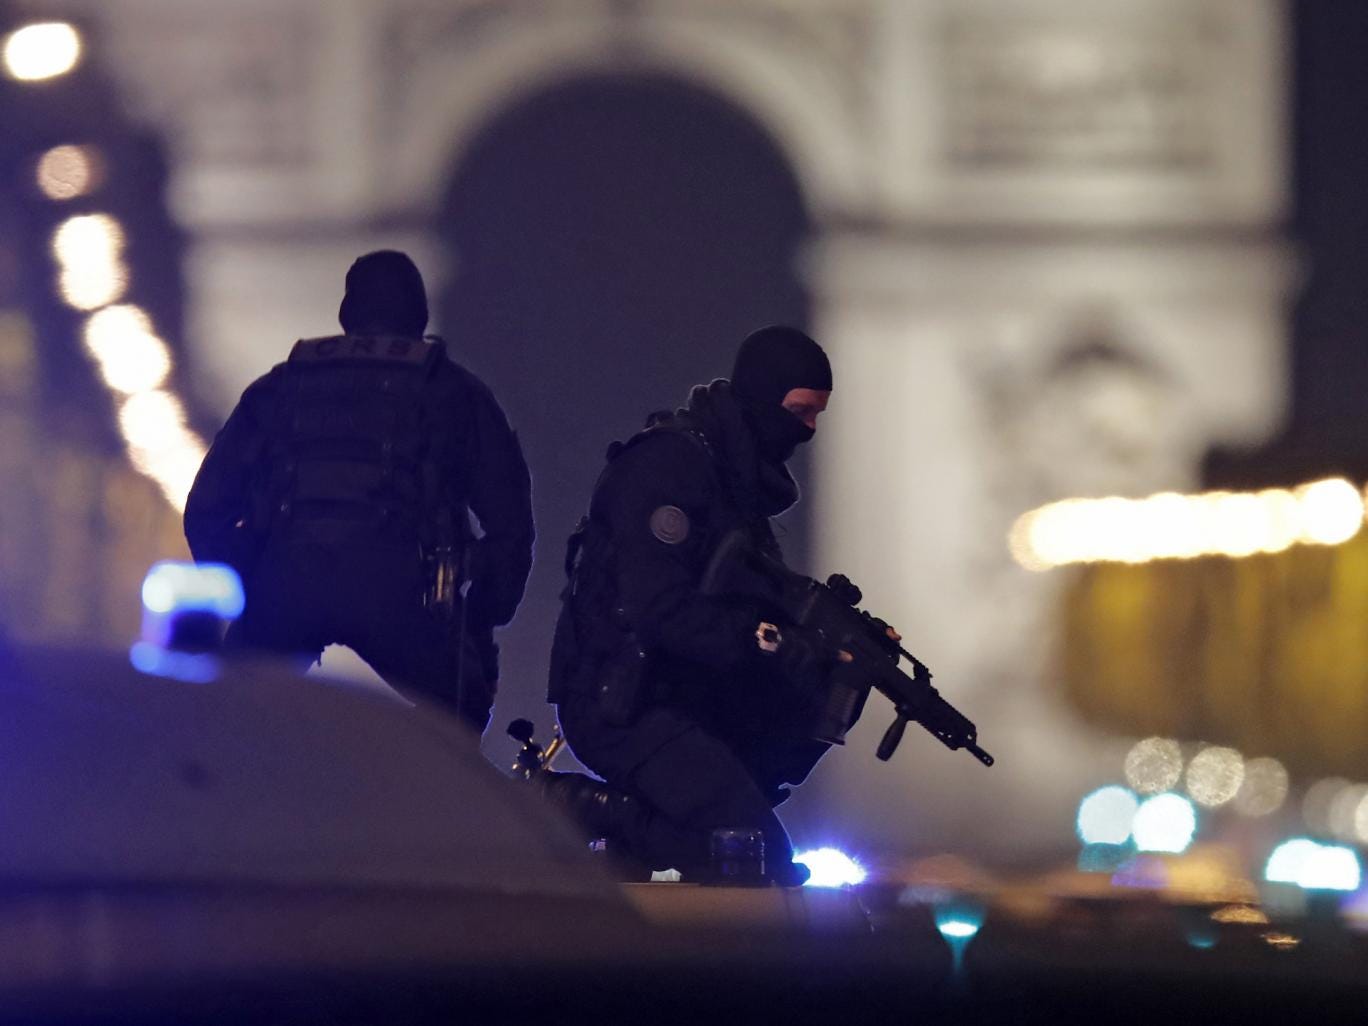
(65, 172)
(1264, 789)
(129, 354)
(1281, 941)
(1331, 511)
(42, 50)
(1173, 526)
(1214, 776)
(89, 248)
(1154, 765)
(1243, 915)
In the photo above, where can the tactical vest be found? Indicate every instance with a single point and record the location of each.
(361, 448)
(594, 645)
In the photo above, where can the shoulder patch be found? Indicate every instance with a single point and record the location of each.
(670, 524)
(391, 348)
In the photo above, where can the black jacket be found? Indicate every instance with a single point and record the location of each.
(665, 500)
(231, 510)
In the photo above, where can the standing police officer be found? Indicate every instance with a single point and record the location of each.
(341, 489)
(683, 701)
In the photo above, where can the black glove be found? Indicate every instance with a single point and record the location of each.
(803, 657)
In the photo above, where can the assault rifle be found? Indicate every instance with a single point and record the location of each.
(831, 610)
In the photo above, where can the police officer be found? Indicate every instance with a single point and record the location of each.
(340, 489)
(681, 700)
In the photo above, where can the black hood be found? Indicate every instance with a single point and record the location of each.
(385, 293)
(771, 363)
(762, 487)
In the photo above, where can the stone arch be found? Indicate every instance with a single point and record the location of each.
(800, 107)
(569, 370)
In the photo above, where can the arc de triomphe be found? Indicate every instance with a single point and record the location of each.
(1045, 254)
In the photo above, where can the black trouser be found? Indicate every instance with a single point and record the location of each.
(689, 780)
(302, 597)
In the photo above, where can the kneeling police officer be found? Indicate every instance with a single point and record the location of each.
(689, 705)
(340, 490)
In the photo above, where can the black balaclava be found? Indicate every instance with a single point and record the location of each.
(771, 363)
(384, 294)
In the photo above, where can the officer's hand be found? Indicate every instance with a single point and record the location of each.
(802, 656)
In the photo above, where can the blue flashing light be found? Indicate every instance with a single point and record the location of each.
(959, 919)
(1313, 866)
(1201, 938)
(157, 661)
(176, 587)
(831, 867)
(957, 929)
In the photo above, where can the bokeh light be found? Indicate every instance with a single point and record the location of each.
(1214, 776)
(89, 248)
(42, 50)
(1154, 765)
(152, 420)
(1313, 866)
(130, 356)
(1165, 823)
(1172, 526)
(66, 172)
(159, 443)
(1264, 789)
(173, 586)
(1105, 816)
(1315, 805)
(1240, 915)
(1331, 511)
(830, 867)
(1342, 814)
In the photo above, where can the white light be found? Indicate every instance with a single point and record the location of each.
(65, 172)
(1343, 811)
(958, 920)
(1106, 815)
(957, 928)
(153, 422)
(89, 249)
(1165, 823)
(1264, 789)
(1172, 526)
(173, 586)
(1313, 866)
(1154, 765)
(1332, 868)
(1214, 776)
(42, 50)
(160, 445)
(130, 356)
(830, 867)
(1317, 802)
(1331, 511)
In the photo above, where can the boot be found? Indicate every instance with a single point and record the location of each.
(598, 809)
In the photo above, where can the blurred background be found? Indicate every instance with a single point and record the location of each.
(1058, 250)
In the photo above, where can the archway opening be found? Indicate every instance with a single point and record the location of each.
(613, 237)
